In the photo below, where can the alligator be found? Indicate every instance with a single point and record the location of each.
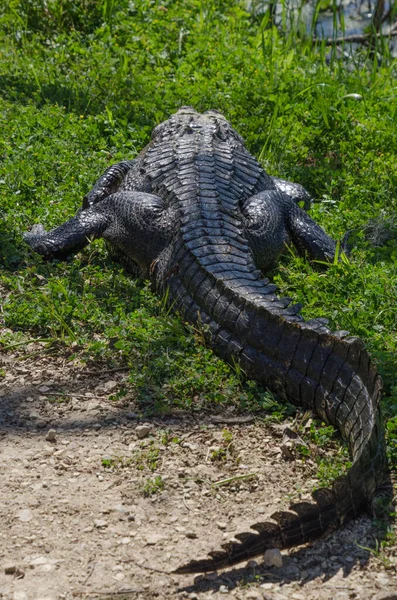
(197, 214)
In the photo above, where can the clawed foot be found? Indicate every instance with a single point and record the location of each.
(36, 231)
(34, 238)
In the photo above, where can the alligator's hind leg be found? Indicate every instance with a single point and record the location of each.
(308, 237)
(264, 226)
(295, 191)
(272, 219)
(130, 221)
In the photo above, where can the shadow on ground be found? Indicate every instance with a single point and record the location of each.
(308, 558)
(345, 549)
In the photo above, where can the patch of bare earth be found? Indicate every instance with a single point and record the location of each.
(76, 523)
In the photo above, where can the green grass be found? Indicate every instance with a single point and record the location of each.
(140, 459)
(153, 486)
(83, 84)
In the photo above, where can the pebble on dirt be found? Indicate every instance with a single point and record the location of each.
(100, 523)
(51, 435)
(273, 558)
(25, 515)
(142, 431)
(110, 386)
(10, 569)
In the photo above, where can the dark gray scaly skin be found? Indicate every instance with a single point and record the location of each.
(197, 214)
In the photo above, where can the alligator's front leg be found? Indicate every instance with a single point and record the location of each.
(70, 237)
(132, 222)
(272, 219)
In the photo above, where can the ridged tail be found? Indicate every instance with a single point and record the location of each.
(309, 365)
(211, 278)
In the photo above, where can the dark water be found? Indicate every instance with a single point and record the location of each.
(357, 16)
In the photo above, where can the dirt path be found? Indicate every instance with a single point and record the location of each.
(95, 511)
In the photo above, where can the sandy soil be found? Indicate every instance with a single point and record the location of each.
(76, 522)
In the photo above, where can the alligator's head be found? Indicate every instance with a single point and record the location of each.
(187, 121)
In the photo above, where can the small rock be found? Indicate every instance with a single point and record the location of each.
(155, 538)
(273, 558)
(189, 446)
(34, 414)
(40, 560)
(93, 405)
(290, 441)
(10, 569)
(118, 568)
(251, 564)
(214, 448)
(44, 389)
(25, 515)
(142, 431)
(110, 386)
(223, 589)
(287, 450)
(100, 523)
(221, 525)
(51, 435)
(190, 484)
(119, 508)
